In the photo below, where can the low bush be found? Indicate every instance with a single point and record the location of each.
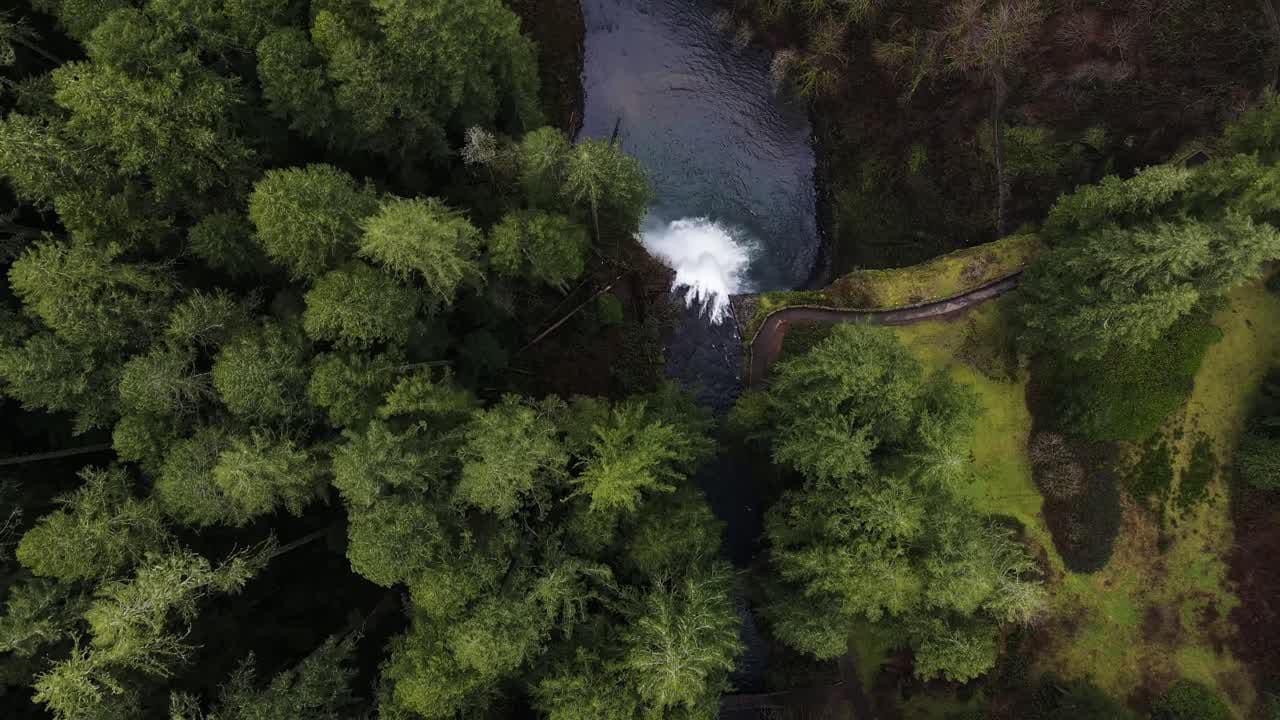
(1258, 458)
(1128, 394)
(1057, 699)
(1193, 486)
(1150, 478)
(1188, 700)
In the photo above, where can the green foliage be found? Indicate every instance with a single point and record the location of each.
(45, 372)
(263, 472)
(631, 454)
(379, 459)
(308, 218)
(175, 127)
(426, 238)
(393, 77)
(1202, 468)
(163, 383)
(39, 158)
(319, 687)
(426, 393)
(204, 319)
(294, 83)
(426, 680)
(253, 331)
(955, 652)
(599, 177)
(135, 626)
(39, 613)
(1151, 477)
(225, 240)
(144, 439)
(672, 532)
(1132, 257)
(1189, 700)
(185, 487)
(1258, 457)
(541, 157)
(1133, 200)
(540, 246)
(859, 394)
(100, 530)
(1258, 460)
(87, 296)
(350, 386)
(357, 306)
(875, 533)
(1127, 393)
(510, 452)
(681, 638)
(1257, 131)
(1031, 151)
(582, 688)
(609, 310)
(893, 552)
(262, 374)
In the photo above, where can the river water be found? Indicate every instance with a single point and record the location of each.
(718, 142)
(731, 164)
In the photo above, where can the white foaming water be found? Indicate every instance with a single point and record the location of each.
(708, 260)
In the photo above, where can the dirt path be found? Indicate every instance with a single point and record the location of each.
(767, 343)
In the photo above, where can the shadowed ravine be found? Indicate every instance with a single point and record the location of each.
(719, 144)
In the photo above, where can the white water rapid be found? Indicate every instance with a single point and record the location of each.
(710, 263)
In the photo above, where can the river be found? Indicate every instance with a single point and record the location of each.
(718, 142)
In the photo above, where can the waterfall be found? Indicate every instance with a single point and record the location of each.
(710, 263)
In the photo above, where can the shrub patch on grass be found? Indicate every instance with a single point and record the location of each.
(1193, 486)
(1128, 394)
(1150, 479)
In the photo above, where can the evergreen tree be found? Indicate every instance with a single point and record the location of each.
(308, 218)
(357, 305)
(423, 238)
(100, 529)
(541, 246)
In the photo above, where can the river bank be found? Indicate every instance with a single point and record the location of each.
(908, 135)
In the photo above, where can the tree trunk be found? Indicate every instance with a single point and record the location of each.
(420, 365)
(54, 455)
(571, 313)
(39, 51)
(300, 542)
(12, 228)
(595, 219)
(997, 150)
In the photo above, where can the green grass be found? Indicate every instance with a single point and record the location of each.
(1096, 621)
(1002, 473)
(939, 278)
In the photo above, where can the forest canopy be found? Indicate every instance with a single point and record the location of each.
(276, 256)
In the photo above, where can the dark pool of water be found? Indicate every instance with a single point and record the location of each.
(704, 119)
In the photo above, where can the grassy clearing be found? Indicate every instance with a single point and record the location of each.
(939, 278)
(1158, 610)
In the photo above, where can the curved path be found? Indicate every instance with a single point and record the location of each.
(767, 343)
